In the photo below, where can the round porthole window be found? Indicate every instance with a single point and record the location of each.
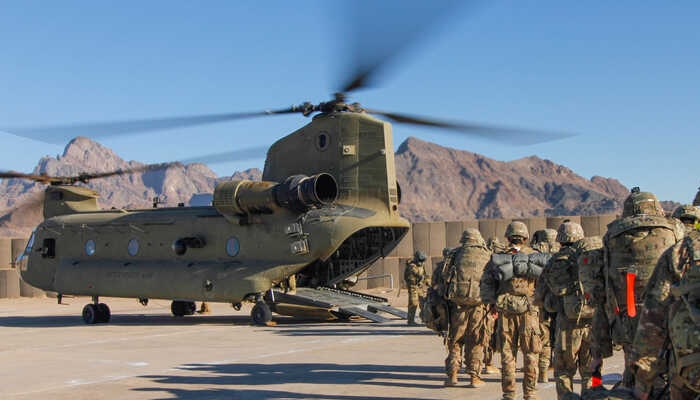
(133, 247)
(232, 247)
(90, 247)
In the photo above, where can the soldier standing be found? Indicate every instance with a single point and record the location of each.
(508, 288)
(545, 241)
(670, 322)
(632, 246)
(560, 282)
(467, 332)
(416, 279)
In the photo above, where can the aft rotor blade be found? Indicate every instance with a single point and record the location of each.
(380, 31)
(60, 134)
(517, 136)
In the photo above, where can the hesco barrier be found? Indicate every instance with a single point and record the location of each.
(5, 253)
(9, 283)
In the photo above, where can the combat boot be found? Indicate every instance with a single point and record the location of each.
(451, 380)
(542, 376)
(204, 308)
(477, 382)
(490, 369)
(412, 316)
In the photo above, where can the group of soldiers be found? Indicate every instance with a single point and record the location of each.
(573, 299)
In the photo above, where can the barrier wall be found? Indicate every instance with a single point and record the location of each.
(5, 253)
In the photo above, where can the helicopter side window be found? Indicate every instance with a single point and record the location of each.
(133, 247)
(232, 247)
(48, 250)
(322, 141)
(90, 247)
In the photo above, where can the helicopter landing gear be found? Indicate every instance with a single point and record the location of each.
(261, 313)
(96, 312)
(181, 308)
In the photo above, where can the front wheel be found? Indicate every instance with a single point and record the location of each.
(261, 313)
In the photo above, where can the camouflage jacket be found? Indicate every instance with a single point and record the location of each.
(652, 331)
(414, 274)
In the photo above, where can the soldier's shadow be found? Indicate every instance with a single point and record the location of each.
(221, 380)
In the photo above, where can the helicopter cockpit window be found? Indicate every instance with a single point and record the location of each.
(322, 141)
(133, 247)
(27, 249)
(232, 246)
(48, 250)
(90, 247)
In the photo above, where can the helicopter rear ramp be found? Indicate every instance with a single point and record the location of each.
(330, 303)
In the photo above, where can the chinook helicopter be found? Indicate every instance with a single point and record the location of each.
(327, 207)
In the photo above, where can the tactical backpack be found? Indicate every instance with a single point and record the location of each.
(515, 271)
(633, 246)
(590, 268)
(434, 311)
(684, 317)
(562, 278)
(463, 273)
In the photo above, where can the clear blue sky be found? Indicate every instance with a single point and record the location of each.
(622, 75)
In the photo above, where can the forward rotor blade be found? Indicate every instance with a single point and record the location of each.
(60, 134)
(516, 136)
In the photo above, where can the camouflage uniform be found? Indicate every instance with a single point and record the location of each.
(416, 279)
(632, 244)
(558, 286)
(468, 329)
(496, 246)
(545, 241)
(688, 215)
(656, 340)
(518, 324)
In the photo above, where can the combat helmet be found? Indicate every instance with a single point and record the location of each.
(517, 229)
(544, 236)
(420, 256)
(472, 236)
(639, 202)
(687, 212)
(569, 232)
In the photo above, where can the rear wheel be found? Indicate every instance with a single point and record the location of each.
(261, 313)
(90, 314)
(103, 313)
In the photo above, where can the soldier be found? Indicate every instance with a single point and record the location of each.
(559, 291)
(496, 246)
(508, 287)
(632, 246)
(688, 215)
(668, 336)
(696, 201)
(467, 332)
(545, 241)
(416, 279)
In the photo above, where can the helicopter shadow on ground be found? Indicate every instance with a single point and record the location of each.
(371, 330)
(332, 375)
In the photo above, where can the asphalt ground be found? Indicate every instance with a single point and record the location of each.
(47, 352)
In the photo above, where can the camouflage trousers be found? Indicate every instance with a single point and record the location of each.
(467, 335)
(519, 331)
(572, 351)
(491, 339)
(622, 330)
(545, 358)
(414, 293)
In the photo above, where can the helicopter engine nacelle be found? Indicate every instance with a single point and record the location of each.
(297, 193)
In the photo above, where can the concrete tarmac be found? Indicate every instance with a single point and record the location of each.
(47, 352)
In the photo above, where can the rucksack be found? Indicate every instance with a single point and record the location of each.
(434, 311)
(684, 317)
(562, 277)
(636, 242)
(463, 273)
(590, 268)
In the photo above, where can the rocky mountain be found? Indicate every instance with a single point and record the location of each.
(438, 183)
